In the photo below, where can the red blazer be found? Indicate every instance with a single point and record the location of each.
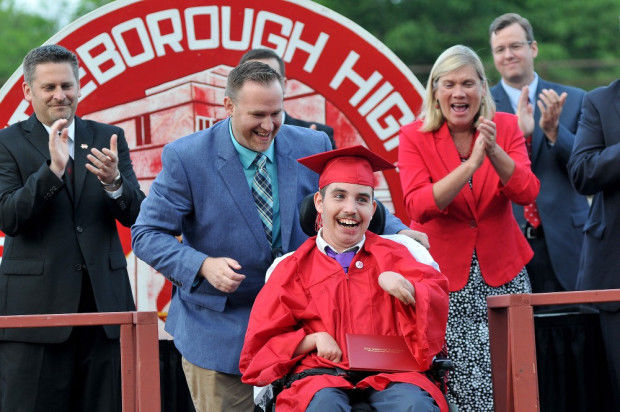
(480, 218)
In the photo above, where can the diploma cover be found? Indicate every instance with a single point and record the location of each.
(379, 353)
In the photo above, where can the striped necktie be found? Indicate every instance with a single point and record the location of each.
(261, 191)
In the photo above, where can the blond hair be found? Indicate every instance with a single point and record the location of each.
(450, 60)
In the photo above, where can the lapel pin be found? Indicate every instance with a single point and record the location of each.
(84, 146)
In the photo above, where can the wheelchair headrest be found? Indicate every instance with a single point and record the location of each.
(307, 217)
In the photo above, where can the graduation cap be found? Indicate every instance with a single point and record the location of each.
(354, 164)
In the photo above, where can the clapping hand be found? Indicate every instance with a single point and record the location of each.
(59, 147)
(550, 105)
(104, 162)
(525, 112)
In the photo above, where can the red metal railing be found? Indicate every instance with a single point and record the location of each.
(139, 350)
(513, 346)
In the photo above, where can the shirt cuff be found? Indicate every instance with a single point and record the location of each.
(115, 194)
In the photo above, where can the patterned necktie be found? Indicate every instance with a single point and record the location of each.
(69, 168)
(261, 191)
(530, 212)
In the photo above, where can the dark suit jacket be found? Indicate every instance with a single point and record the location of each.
(51, 231)
(595, 170)
(288, 119)
(562, 210)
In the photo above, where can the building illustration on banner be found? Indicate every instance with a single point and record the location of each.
(186, 105)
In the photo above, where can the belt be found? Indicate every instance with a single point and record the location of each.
(352, 376)
(532, 232)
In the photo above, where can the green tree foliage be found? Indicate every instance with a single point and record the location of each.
(86, 6)
(577, 39)
(19, 32)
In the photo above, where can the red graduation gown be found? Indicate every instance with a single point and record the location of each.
(310, 292)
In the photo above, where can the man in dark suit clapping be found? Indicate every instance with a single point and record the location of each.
(548, 114)
(64, 182)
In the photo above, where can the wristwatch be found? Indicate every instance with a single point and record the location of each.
(114, 185)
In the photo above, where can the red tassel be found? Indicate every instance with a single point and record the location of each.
(318, 222)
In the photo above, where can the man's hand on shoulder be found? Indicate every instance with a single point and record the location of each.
(220, 273)
(420, 237)
(396, 285)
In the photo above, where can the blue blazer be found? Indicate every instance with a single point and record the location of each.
(595, 170)
(203, 195)
(562, 210)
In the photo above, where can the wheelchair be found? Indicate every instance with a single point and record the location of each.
(265, 397)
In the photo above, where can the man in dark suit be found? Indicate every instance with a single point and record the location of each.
(233, 192)
(64, 182)
(595, 170)
(271, 58)
(554, 222)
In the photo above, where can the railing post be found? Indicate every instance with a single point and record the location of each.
(147, 365)
(500, 365)
(522, 342)
(139, 350)
(128, 367)
(513, 353)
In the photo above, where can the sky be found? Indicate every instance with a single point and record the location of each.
(61, 9)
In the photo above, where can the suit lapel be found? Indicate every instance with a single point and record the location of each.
(83, 136)
(502, 102)
(37, 136)
(449, 156)
(287, 187)
(231, 172)
(537, 137)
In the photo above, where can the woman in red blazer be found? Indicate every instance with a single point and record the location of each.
(460, 167)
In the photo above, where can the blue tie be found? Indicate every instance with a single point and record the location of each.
(261, 191)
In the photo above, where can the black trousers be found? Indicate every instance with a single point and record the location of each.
(541, 273)
(80, 374)
(610, 328)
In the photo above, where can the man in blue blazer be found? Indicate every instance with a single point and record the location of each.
(553, 225)
(595, 170)
(273, 60)
(207, 192)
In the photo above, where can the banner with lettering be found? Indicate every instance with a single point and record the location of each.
(157, 68)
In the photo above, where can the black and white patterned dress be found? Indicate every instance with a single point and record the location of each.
(467, 339)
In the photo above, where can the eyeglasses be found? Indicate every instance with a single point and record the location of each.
(514, 47)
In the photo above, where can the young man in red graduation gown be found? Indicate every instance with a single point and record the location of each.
(346, 280)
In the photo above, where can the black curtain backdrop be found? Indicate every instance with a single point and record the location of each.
(572, 367)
